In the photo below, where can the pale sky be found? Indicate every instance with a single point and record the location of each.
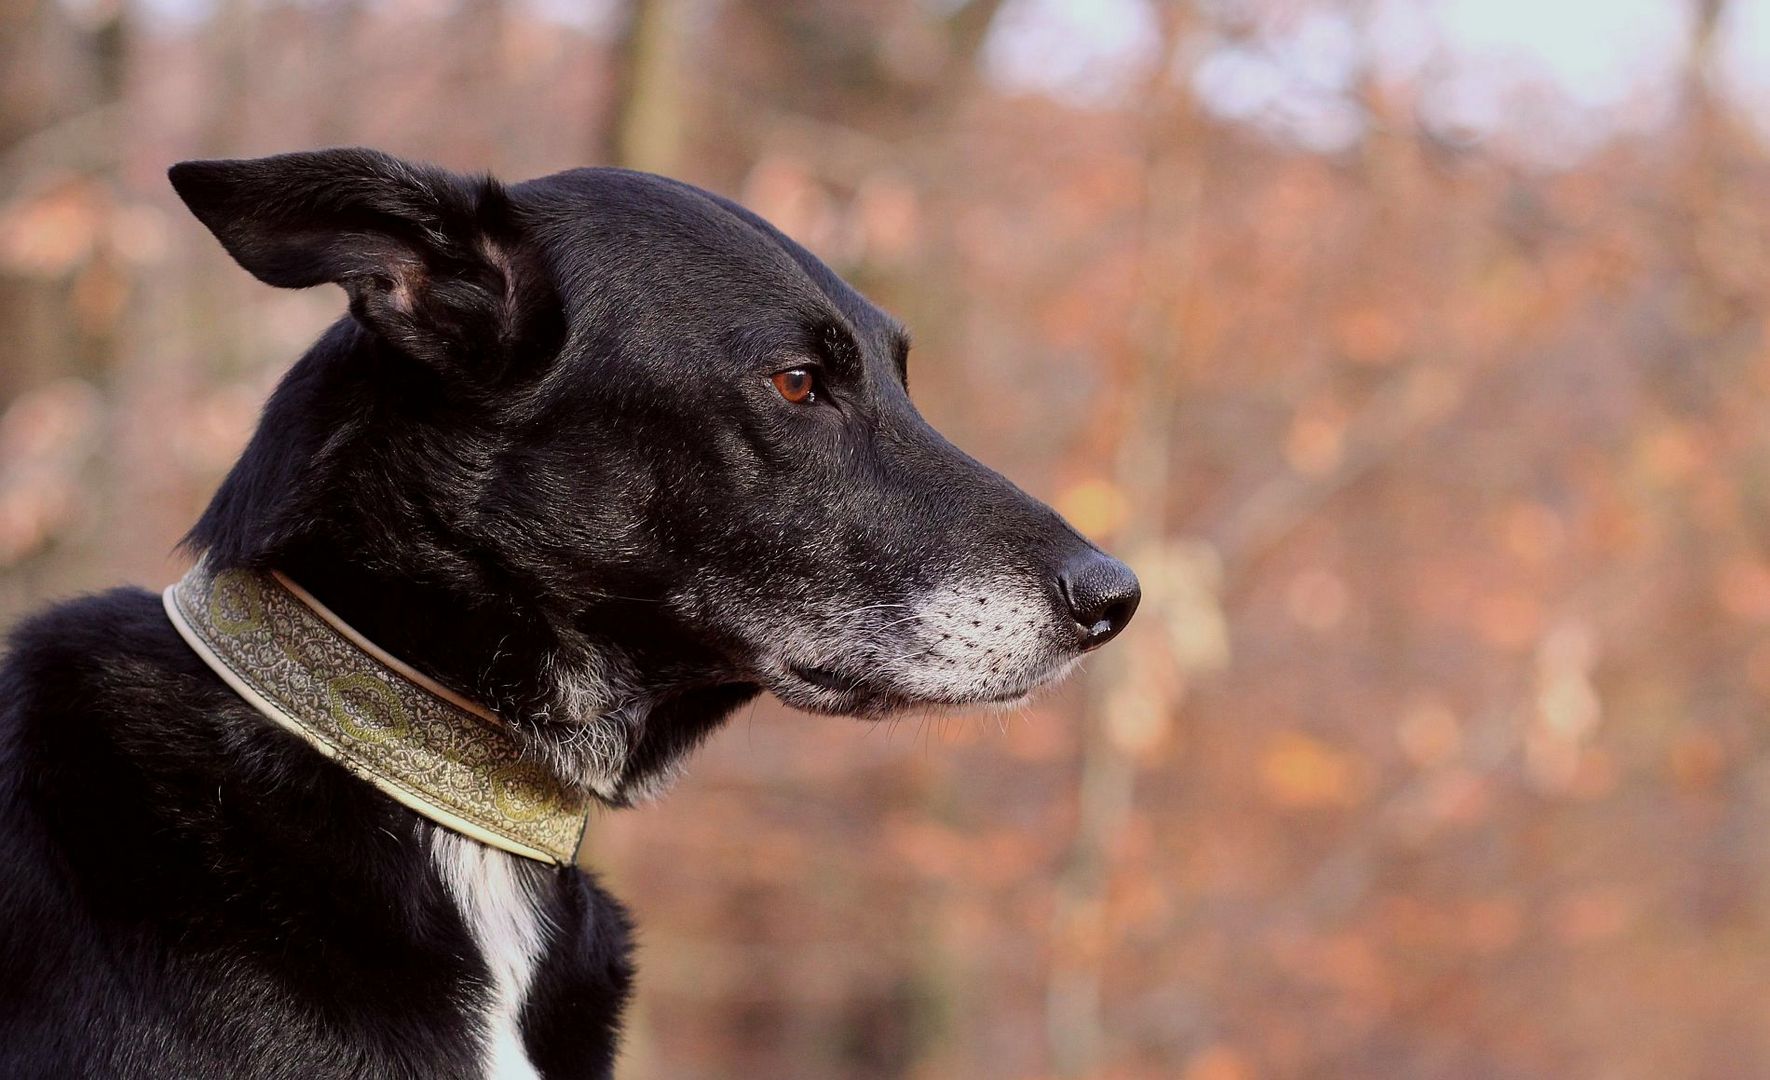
(1554, 78)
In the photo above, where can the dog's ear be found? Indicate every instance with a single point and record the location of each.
(433, 262)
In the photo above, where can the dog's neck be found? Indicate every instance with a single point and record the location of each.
(437, 629)
(602, 715)
(492, 650)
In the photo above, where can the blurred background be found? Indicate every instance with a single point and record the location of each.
(1413, 351)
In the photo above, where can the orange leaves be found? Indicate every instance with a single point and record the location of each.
(1696, 761)
(1508, 619)
(1347, 964)
(1318, 599)
(1316, 442)
(888, 213)
(784, 189)
(1445, 800)
(998, 856)
(1219, 1061)
(1742, 588)
(1096, 506)
(1669, 455)
(51, 234)
(76, 228)
(1481, 925)
(877, 219)
(1531, 532)
(1301, 772)
(46, 438)
(1590, 916)
(1374, 335)
(1428, 732)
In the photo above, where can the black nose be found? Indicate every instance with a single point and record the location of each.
(1102, 594)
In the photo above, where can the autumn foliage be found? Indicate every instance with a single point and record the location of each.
(1437, 747)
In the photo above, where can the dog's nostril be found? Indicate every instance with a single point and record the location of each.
(1113, 619)
(1102, 594)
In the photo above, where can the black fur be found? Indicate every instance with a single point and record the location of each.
(543, 460)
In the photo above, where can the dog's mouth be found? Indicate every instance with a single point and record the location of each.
(829, 690)
(823, 678)
(983, 644)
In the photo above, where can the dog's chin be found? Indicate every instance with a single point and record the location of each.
(833, 692)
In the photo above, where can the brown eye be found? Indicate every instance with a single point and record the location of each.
(798, 386)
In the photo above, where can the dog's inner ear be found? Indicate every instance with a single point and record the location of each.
(433, 262)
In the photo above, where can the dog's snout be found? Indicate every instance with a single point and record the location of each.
(1102, 594)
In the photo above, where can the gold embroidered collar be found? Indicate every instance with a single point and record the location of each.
(433, 750)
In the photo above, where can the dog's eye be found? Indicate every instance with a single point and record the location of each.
(798, 385)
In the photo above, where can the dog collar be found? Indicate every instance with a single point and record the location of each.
(432, 749)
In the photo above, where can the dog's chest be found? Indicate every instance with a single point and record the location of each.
(499, 906)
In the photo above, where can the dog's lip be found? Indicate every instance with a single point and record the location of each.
(822, 677)
(830, 689)
(863, 697)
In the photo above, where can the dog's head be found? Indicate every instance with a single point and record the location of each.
(669, 445)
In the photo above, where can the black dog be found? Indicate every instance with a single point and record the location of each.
(602, 452)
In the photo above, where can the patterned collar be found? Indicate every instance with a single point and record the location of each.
(433, 750)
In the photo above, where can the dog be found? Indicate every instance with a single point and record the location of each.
(591, 461)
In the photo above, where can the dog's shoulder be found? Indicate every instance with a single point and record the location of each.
(81, 681)
(162, 852)
(112, 728)
(93, 692)
(110, 648)
(163, 849)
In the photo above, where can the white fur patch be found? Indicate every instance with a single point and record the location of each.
(983, 640)
(594, 696)
(989, 640)
(499, 908)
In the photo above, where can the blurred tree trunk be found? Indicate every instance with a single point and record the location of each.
(60, 82)
(63, 290)
(1120, 682)
(1706, 18)
(341, 28)
(645, 131)
(23, 108)
(229, 49)
(101, 290)
(478, 85)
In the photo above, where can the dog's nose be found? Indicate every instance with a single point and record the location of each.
(1102, 594)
